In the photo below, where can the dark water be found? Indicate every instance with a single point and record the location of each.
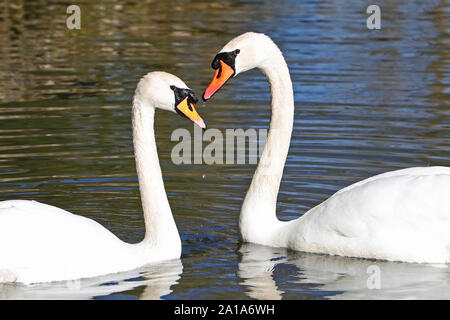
(367, 101)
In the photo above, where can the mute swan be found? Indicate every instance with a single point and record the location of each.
(42, 243)
(401, 215)
(335, 277)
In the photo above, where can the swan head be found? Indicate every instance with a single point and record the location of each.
(165, 91)
(245, 52)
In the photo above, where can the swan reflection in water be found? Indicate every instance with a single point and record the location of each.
(157, 279)
(336, 277)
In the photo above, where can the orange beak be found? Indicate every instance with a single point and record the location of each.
(223, 73)
(187, 109)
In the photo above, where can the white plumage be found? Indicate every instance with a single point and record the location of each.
(402, 215)
(42, 243)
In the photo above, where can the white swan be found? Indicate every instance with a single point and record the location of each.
(42, 243)
(401, 215)
(336, 277)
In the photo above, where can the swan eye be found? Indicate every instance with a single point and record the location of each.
(227, 57)
(215, 63)
(192, 97)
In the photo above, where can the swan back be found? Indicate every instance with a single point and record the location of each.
(400, 215)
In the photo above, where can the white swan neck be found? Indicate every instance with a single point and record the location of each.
(160, 227)
(258, 213)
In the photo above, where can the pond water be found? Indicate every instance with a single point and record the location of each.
(367, 101)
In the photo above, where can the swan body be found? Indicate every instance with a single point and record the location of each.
(42, 243)
(402, 215)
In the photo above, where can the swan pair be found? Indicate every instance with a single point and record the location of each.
(401, 215)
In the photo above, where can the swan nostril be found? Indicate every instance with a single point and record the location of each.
(219, 73)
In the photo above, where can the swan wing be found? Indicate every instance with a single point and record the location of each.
(401, 215)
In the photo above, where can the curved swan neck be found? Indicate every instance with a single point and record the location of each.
(160, 227)
(258, 211)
